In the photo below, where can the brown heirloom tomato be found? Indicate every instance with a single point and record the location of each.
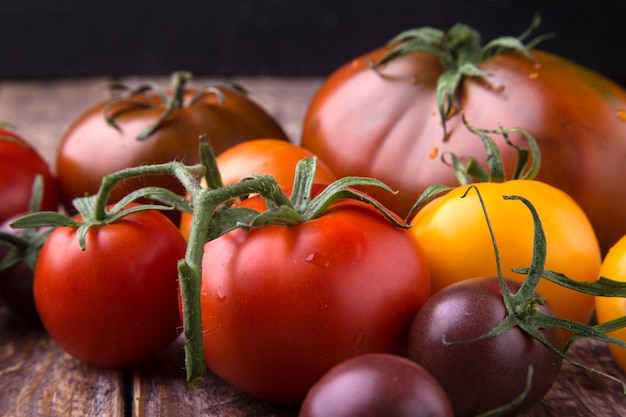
(93, 148)
(384, 122)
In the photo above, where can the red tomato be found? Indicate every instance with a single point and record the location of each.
(115, 303)
(282, 305)
(274, 157)
(92, 148)
(384, 123)
(19, 164)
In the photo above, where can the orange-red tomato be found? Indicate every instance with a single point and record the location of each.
(274, 157)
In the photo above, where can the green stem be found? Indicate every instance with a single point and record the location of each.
(204, 203)
(109, 182)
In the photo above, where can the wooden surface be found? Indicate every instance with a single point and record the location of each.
(38, 379)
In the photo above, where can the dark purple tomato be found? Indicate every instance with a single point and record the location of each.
(376, 384)
(479, 376)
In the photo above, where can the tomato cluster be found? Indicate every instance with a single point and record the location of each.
(289, 267)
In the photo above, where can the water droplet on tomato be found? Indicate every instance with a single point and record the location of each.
(433, 154)
(621, 114)
(357, 341)
(220, 293)
(317, 259)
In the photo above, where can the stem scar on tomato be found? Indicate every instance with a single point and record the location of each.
(460, 52)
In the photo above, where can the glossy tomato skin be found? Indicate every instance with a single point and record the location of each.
(482, 375)
(91, 148)
(20, 163)
(376, 384)
(610, 308)
(282, 305)
(115, 303)
(384, 123)
(274, 157)
(277, 158)
(460, 246)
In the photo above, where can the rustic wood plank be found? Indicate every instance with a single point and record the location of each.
(578, 393)
(38, 379)
(160, 389)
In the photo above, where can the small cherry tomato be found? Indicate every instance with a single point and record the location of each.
(377, 384)
(479, 376)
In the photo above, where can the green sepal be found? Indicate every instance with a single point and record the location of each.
(429, 194)
(602, 287)
(460, 53)
(228, 220)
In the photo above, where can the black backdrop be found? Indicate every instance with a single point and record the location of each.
(75, 38)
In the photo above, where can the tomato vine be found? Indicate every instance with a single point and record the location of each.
(213, 215)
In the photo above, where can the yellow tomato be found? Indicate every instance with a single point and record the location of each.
(609, 308)
(455, 236)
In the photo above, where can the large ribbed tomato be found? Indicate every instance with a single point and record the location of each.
(281, 305)
(385, 122)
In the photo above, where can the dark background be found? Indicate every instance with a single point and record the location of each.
(77, 38)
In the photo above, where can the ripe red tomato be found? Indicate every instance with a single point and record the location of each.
(115, 303)
(281, 305)
(384, 123)
(480, 376)
(274, 157)
(19, 164)
(92, 148)
(376, 384)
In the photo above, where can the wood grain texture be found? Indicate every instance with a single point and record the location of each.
(38, 379)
